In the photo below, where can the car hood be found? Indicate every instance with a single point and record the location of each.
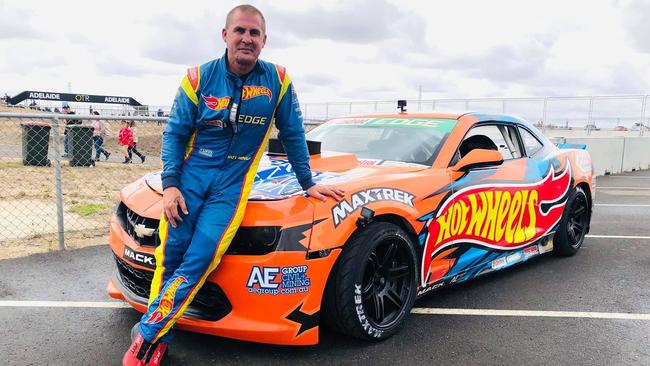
(275, 179)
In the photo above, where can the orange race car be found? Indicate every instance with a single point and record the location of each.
(431, 200)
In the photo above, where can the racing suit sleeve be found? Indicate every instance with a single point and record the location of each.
(288, 120)
(181, 124)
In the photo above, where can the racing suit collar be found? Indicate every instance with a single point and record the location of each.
(257, 69)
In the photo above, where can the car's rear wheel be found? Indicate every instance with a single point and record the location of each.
(573, 225)
(373, 285)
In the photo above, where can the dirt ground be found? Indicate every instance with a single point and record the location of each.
(89, 195)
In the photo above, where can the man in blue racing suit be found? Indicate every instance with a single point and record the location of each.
(212, 144)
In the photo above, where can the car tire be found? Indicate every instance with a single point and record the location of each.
(574, 224)
(373, 285)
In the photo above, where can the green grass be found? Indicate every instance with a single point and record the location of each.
(86, 209)
(10, 164)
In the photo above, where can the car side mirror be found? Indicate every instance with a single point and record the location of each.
(478, 158)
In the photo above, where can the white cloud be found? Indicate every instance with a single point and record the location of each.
(336, 50)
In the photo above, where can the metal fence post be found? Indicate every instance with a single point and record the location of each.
(591, 113)
(327, 114)
(544, 112)
(57, 182)
(642, 121)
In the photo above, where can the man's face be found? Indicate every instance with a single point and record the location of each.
(244, 38)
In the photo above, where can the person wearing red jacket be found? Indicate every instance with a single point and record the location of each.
(125, 138)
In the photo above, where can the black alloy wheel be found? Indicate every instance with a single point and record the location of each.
(373, 284)
(386, 285)
(578, 221)
(574, 224)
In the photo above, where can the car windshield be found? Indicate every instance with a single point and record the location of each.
(411, 140)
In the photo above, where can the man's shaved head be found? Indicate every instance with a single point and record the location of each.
(247, 9)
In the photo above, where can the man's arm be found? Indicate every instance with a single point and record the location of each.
(288, 120)
(180, 127)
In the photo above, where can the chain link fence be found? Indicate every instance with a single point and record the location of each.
(55, 188)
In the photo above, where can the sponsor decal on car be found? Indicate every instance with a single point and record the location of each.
(514, 257)
(144, 259)
(349, 121)
(496, 215)
(344, 208)
(445, 125)
(252, 91)
(430, 288)
(166, 301)
(216, 104)
(278, 280)
(499, 263)
(531, 251)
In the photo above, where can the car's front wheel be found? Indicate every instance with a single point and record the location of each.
(373, 285)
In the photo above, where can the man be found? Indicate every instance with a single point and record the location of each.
(70, 122)
(212, 144)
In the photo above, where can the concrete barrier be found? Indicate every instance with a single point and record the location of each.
(615, 154)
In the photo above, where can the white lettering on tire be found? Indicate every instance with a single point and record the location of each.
(372, 331)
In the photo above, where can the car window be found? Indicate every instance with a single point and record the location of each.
(409, 140)
(492, 137)
(531, 143)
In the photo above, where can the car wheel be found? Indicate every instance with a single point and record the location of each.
(373, 284)
(573, 225)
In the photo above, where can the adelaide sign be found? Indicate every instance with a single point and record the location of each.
(68, 97)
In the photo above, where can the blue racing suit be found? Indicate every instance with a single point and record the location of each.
(212, 144)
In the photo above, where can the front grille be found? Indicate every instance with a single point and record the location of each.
(210, 302)
(142, 229)
(136, 280)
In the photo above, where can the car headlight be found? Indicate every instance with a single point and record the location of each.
(254, 240)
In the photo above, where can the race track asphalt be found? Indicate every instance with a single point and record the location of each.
(610, 275)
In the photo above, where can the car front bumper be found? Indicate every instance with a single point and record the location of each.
(273, 298)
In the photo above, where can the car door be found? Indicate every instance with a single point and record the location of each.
(488, 214)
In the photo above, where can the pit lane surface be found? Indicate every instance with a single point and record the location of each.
(609, 275)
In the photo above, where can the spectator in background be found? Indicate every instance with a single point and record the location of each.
(160, 113)
(100, 131)
(125, 138)
(69, 122)
(133, 149)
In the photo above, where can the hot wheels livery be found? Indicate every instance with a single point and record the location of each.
(431, 200)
